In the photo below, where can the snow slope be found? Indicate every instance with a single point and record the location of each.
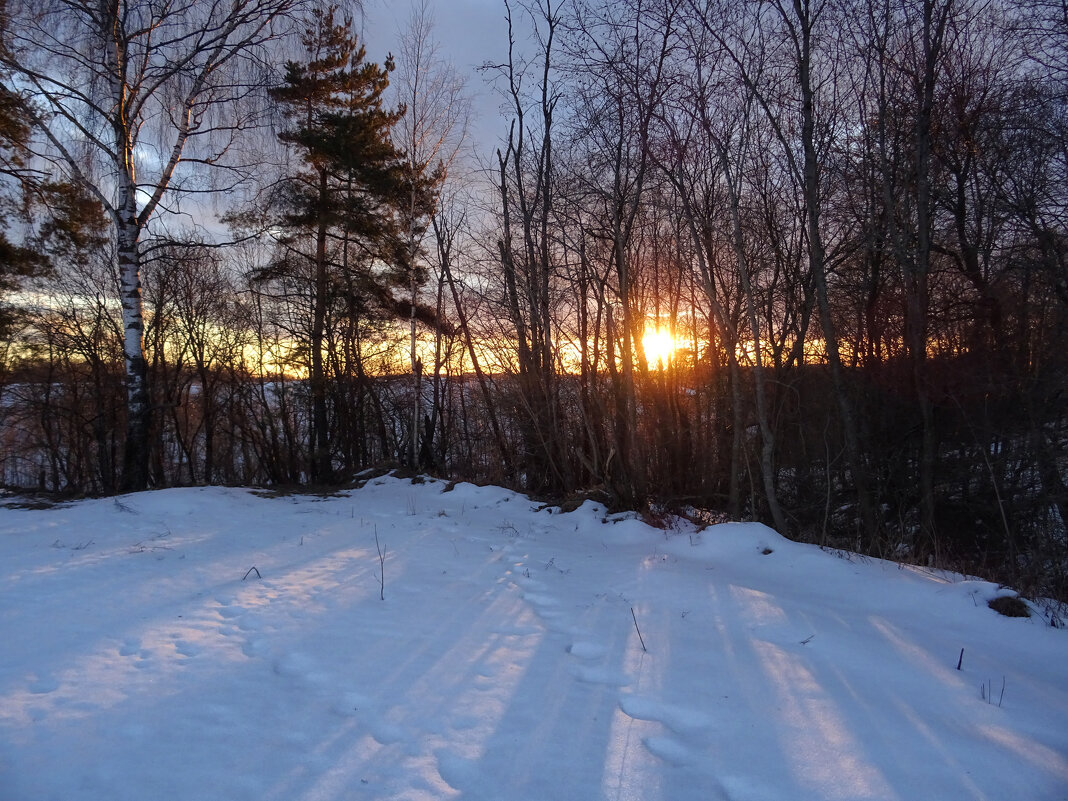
(504, 662)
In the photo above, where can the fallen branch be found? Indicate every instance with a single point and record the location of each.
(640, 638)
(381, 569)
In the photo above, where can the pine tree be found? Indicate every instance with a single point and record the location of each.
(55, 218)
(350, 193)
(15, 259)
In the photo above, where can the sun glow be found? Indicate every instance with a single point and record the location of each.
(660, 346)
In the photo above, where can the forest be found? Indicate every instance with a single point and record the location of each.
(803, 262)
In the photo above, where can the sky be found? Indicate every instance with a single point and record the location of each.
(469, 33)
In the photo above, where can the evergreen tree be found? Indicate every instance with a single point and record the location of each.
(346, 203)
(15, 259)
(55, 218)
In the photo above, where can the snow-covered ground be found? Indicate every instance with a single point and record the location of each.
(504, 663)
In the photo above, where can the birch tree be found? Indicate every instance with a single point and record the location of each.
(134, 101)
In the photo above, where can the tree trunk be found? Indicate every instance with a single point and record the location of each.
(135, 471)
(321, 469)
(916, 283)
(767, 436)
(817, 259)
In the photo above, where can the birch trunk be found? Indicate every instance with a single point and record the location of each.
(138, 401)
(117, 80)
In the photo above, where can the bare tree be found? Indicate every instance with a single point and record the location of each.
(431, 133)
(132, 100)
(785, 53)
(728, 140)
(525, 176)
(620, 54)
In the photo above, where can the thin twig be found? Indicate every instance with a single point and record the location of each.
(381, 569)
(640, 638)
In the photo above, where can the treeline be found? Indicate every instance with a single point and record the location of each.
(849, 217)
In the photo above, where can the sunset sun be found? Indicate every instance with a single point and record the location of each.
(659, 345)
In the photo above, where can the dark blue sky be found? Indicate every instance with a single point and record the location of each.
(469, 32)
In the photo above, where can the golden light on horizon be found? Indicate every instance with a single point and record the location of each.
(659, 345)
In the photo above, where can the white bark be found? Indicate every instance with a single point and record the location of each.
(124, 91)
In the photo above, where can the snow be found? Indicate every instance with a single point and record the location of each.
(505, 661)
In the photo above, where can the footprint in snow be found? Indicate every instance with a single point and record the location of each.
(254, 648)
(386, 733)
(43, 684)
(455, 770)
(516, 631)
(680, 720)
(353, 705)
(299, 666)
(186, 648)
(669, 750)
(464, 722)
(249, 623)
(530, 584)
(585, 650)
(599, 675)
(557, 622)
